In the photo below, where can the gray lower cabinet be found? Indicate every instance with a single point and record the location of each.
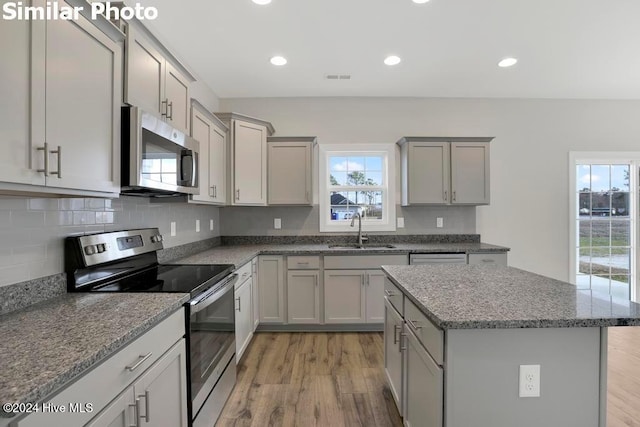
(374, 280)
(423, 393)
(489, 258)
(271, 294)
(244, 317)
(344, 296)
(303, 296)
(255, 293)
(142, 384)
(393, 352)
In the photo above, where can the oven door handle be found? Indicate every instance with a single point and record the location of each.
(205, 300)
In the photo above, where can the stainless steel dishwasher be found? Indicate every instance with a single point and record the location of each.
(455, 258)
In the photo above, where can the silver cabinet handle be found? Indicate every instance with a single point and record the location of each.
(454, 196)
(146, 406)
(401, 345)
(238, 194)
(303, 263)
(46, 159)
(445, 195)
(396, 329)
(488, 260)
(140, 362)
(135, 407)
(59, 153)
(170, 105)
(239, 307)
(166, 107)
(413, 325)
(211, 192)
(215, 191)
(389, 293)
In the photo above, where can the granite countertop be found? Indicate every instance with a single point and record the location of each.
(48, 344)
(488, 297)
(239, 255)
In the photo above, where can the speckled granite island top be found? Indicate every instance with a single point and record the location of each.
(490, 297)
(46, 345)
(241, 254)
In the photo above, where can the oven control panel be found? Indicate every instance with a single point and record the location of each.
(105, 247)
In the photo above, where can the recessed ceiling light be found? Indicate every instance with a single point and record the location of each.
(262, 2)
(420, 1)
(507, 62)
(392, 60)
(278, 60)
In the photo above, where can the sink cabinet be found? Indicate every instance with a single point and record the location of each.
(445, 171)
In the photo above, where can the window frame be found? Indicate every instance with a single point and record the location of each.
(388, 153)
(603, 158)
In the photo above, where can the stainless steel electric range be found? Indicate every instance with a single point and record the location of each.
(126, 261)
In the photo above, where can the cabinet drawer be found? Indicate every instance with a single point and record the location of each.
(394, 295)
(427, 333)
(488, 259)
(100, 385)
(344, 262)
(243, 273)
(303, 262)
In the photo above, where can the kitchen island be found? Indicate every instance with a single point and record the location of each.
(465, 332)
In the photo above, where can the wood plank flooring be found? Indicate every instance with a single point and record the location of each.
(623, 400)
(337, 379)
(312, 379)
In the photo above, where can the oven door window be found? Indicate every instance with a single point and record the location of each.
(165, 162)
(212, 333)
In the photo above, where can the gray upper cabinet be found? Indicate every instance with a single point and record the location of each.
(211, 133)
(62, 107)
(289, 163)
(248, 158)
(443, 171)
(154, 82)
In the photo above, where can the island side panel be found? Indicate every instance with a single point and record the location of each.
(482, 377)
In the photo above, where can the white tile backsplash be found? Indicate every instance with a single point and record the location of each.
(32, 230)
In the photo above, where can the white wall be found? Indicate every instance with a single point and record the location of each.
(529, 155)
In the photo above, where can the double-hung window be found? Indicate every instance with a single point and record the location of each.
(357, 179)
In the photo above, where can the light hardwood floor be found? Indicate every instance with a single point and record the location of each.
(337, 379)
(623, 400)
(312, 379)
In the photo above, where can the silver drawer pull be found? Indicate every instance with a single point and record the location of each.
(303, 263)
(140, 362)
(396, 328)
(413, 325)
(146, 406)
(389, 293)
(135, 407)
(488, 260)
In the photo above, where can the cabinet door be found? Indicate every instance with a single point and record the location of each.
(244, 326)
(201, 131)
(255, 295)
(162, 390)
(303, 297)
(83, 98)
(289, 178)
(20, 160)
(218, 165)
(428, 173)
(423, 386)
(250, 164)
(177, 97)
(375, 296)
(271, 281)
(119, 413)
(470, 173)
(393, 352)
(145, 71)
(344, 296)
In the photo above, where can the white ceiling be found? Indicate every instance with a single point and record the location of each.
(449, 48)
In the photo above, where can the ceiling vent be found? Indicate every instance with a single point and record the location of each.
(338, 77)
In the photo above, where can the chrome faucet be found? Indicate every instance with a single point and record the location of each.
(353, 220)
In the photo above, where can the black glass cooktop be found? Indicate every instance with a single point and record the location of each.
(169, 278)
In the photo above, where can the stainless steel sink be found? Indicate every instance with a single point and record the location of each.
(356, 246)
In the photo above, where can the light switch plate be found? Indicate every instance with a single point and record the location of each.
(197, 225)
(277, 223)
(439, 222)
(173, 229)
(400, 222)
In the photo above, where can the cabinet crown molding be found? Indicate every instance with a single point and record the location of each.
(227, 117)
(311, 139)
(406, 139)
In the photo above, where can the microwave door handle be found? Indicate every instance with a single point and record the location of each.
(194, 170)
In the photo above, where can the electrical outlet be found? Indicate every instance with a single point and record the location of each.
(173, 229)
(400, 222)
(211, 225)
(529, 380)
(197, 225)
(439, 222)
(277, 223)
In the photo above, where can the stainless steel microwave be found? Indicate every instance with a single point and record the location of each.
(157, 159)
